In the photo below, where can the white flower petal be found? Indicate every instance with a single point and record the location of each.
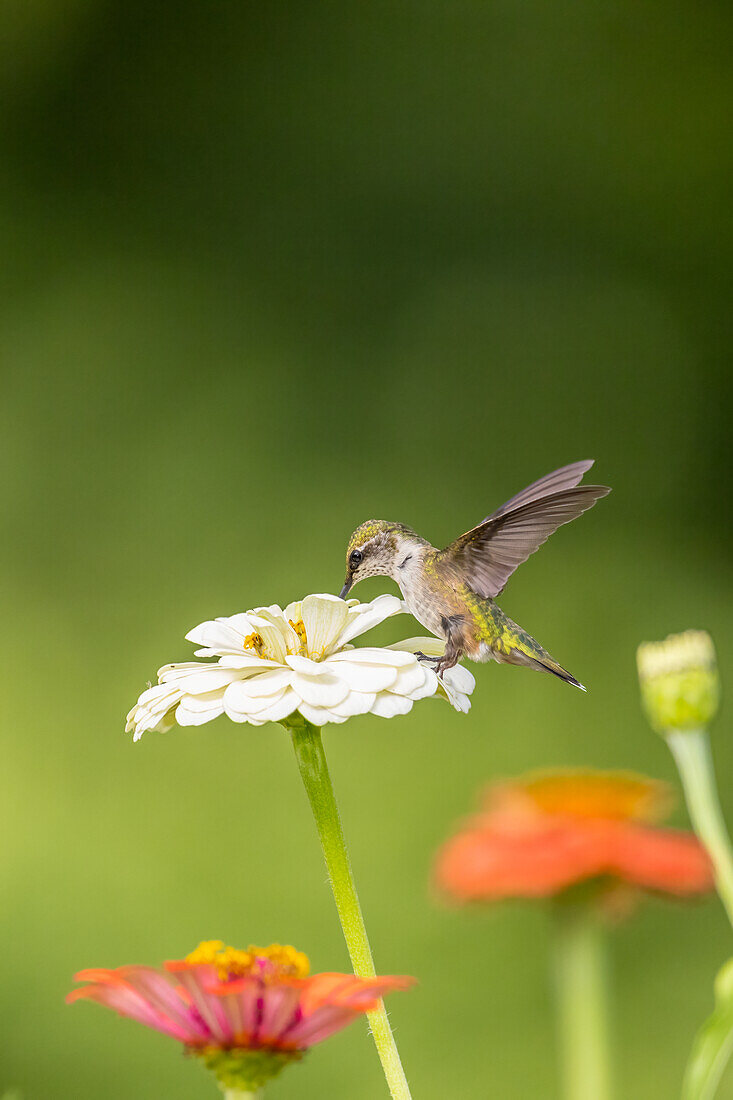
(200, 704)
(222, 635)
(366, 615)
(226, 636)
(455, 685)
(278, 709)
(194, 710)
(307, 666)
(242, 622)
(460, 679)
(239, 700)
(269, 682)
(161, 724)
(178, 671)
(430, 687)
(278, 634)
(249, 662)
(157, 725)
(324, 617)
(293, 611)
(456, 699)
(153, 711)
(320, 691)
(273, 638)
(320, 716)
(154, 695)
(388, 705)
(206, 678)
(365, 676)
(271, 613)
(356, 702)
(291, 639)
(413, 680)
(373, 655)
(431, 647)
(147, 716)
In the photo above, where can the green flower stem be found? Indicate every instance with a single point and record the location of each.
(317, 781)
(581, 983)
(238, 1094)
(691, 751)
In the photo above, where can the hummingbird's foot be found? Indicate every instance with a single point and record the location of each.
(449, 658)
(438, 664)
(435, 661)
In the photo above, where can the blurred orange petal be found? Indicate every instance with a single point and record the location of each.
(547, 832)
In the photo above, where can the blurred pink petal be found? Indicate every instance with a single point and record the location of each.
(226, 999)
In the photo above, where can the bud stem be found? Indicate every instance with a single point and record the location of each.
(238, 1094)
(311, 758)
(581, 990)
(691, 751)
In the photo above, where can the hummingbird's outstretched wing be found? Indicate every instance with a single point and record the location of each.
(487, 555)
(567, 477)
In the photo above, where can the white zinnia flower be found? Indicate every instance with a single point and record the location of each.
(273, 662)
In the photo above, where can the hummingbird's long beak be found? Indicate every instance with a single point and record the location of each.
(346, 589)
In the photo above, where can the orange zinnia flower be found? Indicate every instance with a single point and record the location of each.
(245, 1014)
(544, 833)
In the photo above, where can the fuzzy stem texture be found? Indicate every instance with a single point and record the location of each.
(581, 984)
(317, 781)
(691, 751)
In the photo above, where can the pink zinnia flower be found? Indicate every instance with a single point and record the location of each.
(246, 1014)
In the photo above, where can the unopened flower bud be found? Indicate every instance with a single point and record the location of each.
(680, 688)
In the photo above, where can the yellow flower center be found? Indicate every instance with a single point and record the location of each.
(268, 963)
(614, 795)
(299, 629)
(255, 642)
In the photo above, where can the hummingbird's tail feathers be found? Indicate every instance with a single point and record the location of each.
(545, 663)
(560, 672)
(516, 647)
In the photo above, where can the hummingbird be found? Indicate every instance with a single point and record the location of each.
(452, 592)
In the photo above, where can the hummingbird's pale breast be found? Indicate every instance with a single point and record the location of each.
(409, 573)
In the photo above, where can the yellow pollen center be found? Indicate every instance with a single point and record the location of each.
(255, 642)
(268, 963)
(619, 796)
(299, 629)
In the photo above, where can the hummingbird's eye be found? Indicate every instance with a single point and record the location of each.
(355, 557)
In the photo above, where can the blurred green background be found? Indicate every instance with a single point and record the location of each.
(270, 270)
